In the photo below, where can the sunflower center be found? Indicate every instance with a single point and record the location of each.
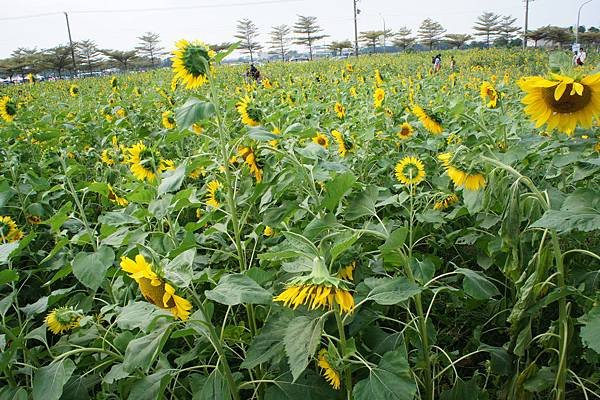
(410, 170)
(254, 113)
(568, 103)
(193, 60)
(154, 294)
(321, 141)
(11, 108)
(405, 131)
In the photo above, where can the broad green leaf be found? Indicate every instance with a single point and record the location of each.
(268, 343)
(150, 386)
(139, 315)
(59, 217)
(392, 249)
(477, 285)
(48, 381)
(171, 180)
(580, 212)
(142, 352)
(214, 387)
(342, 243)
(362, 203)
(6, 249)
(336, 189)
(118, 218)
(180, 269)
(192, 111)
(301, 244)
(260, 134)
(90, 268)
(590, 331)
(541, 380)
(390, 380)
(238, 289)
(224, 53)
(390, 291)
(301, 340)
(8, 275)
(463, 390)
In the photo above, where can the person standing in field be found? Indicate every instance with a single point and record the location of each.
(437, 63)
(581, 57)
(452, 63)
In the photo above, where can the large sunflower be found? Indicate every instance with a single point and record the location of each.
(562, 102)
(460, 178)
(321, 140)
(431, 122)
(488, 94)
(154, 289)
(340, 110)
(168, 120)
(9, 232)
(189, 60)
(214, 187)
(250, 115)
(8, 109)
(62, 319)
(140, 160)
(378, 97)
(410, 170)
(316, 296)
(406, 131)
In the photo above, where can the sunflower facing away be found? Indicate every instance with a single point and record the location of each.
(154, 289)
(562, 102)
(410, 171)
(189, 62)
(140, 160)
(74, 90)
(62, 319)
(106, 158)
(347, 271)
(344, 145)
(488, 94)
(321, 140)
(430, 122)
(340, 110)
(168, 119)
(251, 116)
(9, 232)
(112, 196)
(213, 187)
(8, 109)
(330, 374)
(446, 202)
(460, 178)
(378, 97)
(406, 131)
(250, 159)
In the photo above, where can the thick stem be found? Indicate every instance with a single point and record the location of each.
(347, 373)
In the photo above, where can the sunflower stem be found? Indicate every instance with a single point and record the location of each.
(347, 372)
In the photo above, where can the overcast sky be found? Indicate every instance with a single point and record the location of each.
(117, 23)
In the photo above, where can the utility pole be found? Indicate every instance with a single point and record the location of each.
(384, 32)
(579, 15)
(526, 21)
(71, 43)
(355, 30)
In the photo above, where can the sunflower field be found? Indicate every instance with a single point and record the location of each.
(353, 229)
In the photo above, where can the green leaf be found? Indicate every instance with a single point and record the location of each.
(238, 289)
(59, 217)
(580, 211)
(476, 285)
(138, 315)
(6, 249)
(8, 275)
(464, 390)
(302, 337)
(261, 134)
(48, 381)
(362, 203)
(222, 54)
(90, 268)
(118, 218)
(194, 110)
(180, 269)
(142, 352)
(301, 244)
(336, 189)
(540, 381)
(591, 328)
(215, 387)
(151, 386)
(171, 180)
(390, 291)
(392, 249)
(342, 243)
(390, 380)
(268, 343)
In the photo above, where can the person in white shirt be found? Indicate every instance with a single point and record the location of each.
(581, 57)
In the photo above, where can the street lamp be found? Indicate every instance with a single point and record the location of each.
(579, 15)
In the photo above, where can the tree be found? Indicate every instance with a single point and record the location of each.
(486, 25)
(220, 46)
(403, 39)
(370, 38)
(457, 40)
(247, 32)
(150, 46)
(536, 35)
(430, 32)
(89, 55)
(119, 58)
(590, 38)
(558, 35)
(308, 31)
(58, 59)
(8, 68)
(279, 40)
(336, 47)
(507, 28)
(26, 60)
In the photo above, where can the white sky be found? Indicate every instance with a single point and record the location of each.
(216, 21)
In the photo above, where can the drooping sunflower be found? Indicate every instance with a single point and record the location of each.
(112, 196)
(488, 94)
(106, 158)
(406, 131)
(8, 109)
(347, 271)
(140, 162)
(330, 374)
(321, 140)
(213, 187)
(353, 92)
(344, 145)
(74, 90)
(168, 119)
(378, 78)
(247, 153)
(114, 82)
(431, 122)
(378, 97)
(9, 231)
(154, 289)
(447, 201)
(460, 178)
(190, 61)
(340, 110)
(62, 319)
(410, 171)
(562, 102)
(166, 165)
(251, 115)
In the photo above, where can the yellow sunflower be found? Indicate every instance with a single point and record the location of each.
(154, 289)
(140, 160)
(251, 116)
(250, 159)
(430, 122)
(62, 319)
(488, 94)
(331, 375)
(8, 109)
(112, 196)
(353, 92)
(321, 140)
(315, 296)
(344, 145)
(268, 231)
(166, 165)
(460, 178)
(340, 110)
(378, 97)
(168, 120)
(189, 60)
(406, 131)
(106, 158)
(214, 187)
(562, 102)
(410, 171)
(378, 78)
(347, 271)
(446, 202)
(9, 232)
(74, 90)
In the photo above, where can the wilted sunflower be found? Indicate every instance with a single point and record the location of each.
(74, 90)
(331, 375)
(106, 158)
(446, 202)
(154, 289)
(9, 232)
(166, 165)
(168, 120)
(189, 60)
(406, 131)
(140, 160)
(321, 140)
(460, 178)
(430, 122)
(488, 94)
(410, 171)
(62, 319)
(340, 110)
(112, 196)
(250, 159)
(344, 145)
(251, 116)
(213, 187)
(8, 109)
(378, 97)
(347, 271)
(562, 102)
